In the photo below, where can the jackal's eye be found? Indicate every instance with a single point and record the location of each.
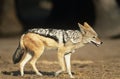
(93, 36)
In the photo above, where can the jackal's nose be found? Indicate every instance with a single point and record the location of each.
(101, 43)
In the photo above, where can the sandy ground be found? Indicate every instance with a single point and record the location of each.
(89, 62)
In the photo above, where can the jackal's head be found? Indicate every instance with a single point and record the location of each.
(89, 35)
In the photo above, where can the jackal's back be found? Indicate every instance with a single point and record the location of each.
(59, 35)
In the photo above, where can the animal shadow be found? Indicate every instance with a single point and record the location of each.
(17, 73)
(14, 73)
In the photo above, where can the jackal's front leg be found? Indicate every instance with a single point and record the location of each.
(68, 64)
(61, 62)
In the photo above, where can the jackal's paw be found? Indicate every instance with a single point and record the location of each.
(58, 72)
(21, 74)
(72, 77)
(39, 74)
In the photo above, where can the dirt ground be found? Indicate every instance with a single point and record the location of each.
(89, 62)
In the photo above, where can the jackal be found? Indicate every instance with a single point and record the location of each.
(34, 41)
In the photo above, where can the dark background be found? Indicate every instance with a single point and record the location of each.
(17, 16)
(64, 13)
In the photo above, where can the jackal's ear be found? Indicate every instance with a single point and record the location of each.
(87, 26)
(82, 28)
(85, 23)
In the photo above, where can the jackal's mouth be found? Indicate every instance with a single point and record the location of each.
(95, 43)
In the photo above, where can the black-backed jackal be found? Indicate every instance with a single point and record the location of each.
(33, 43)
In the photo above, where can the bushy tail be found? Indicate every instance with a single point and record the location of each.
(17, 56)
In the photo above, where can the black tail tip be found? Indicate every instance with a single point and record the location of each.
(17, 56)
(15, 61)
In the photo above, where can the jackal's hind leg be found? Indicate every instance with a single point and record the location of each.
(27, 57)
(36, 55)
